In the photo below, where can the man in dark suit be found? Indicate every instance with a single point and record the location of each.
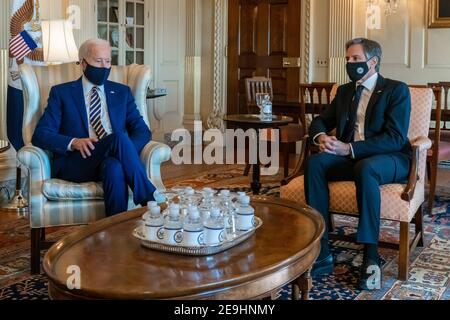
(96, 132)
(371, 147)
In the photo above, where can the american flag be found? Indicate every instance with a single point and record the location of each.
(21, 45)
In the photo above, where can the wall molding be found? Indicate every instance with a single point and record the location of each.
(4, 72)
(193, 64)
(215, 119)
(4, 28)
(307, 41)
(341, 29)
(4, 64)
(426, 59)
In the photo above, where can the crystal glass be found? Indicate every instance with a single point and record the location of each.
(259, 98)
(266, 111)
(169, 196)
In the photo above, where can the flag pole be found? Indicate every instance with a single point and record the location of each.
(18, 203)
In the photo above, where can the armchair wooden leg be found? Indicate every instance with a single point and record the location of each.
(247, 169)
(419, 226)
(35, 254)
(403, 259)
(432, 192)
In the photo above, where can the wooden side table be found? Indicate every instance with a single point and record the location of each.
(253, 121)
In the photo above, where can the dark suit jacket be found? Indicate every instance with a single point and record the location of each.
(65, 118)
(387, 118)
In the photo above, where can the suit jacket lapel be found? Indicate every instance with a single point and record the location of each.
(78, 96)
(374, 99)
(111, 103)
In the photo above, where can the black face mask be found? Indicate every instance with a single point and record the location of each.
(96, 75)
(357, 70)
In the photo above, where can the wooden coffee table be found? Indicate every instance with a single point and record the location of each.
(113, 264)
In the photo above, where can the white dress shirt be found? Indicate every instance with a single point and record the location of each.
(87, 87)
(369, 87)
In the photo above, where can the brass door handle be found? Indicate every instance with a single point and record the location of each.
(291, 62)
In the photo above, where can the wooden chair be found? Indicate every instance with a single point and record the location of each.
(257, 85)
(445, 132)
(440, 150)
(314, 98)
(253, 86)
(399, 202)
(440, 136)
(288, 134)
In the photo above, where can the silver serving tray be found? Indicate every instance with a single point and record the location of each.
(230, 242)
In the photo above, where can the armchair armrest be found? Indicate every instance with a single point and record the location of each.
(153, 154)
(37, 161)
(423, 143)
(419, 146)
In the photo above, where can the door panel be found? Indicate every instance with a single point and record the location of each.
(261, 33)
(168, 48)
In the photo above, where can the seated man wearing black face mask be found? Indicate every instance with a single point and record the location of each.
(371, 147)
(96, 133)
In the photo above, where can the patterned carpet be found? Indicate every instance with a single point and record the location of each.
(429, 273)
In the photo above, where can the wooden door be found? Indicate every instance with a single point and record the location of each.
(261, 33)
(167, 55)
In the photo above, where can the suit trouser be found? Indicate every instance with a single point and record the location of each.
(114, 161)
(368, 174)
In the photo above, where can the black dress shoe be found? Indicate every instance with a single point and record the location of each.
(370, 275)
(323, 267)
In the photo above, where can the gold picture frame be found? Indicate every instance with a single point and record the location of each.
(438, 13)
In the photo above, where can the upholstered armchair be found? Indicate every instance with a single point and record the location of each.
(54, 202)
(399, 202)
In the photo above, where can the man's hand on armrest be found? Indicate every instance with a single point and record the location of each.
(83, 145)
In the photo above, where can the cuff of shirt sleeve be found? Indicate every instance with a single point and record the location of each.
(352, 154)
(316, 136)
(69, 147)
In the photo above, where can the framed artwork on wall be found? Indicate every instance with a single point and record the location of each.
(438, 13)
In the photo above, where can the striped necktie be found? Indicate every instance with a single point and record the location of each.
(95, 113)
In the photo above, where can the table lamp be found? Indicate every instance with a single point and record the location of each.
(58, 42)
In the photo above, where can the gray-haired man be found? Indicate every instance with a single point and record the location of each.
(371, 147)
(96, 133)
